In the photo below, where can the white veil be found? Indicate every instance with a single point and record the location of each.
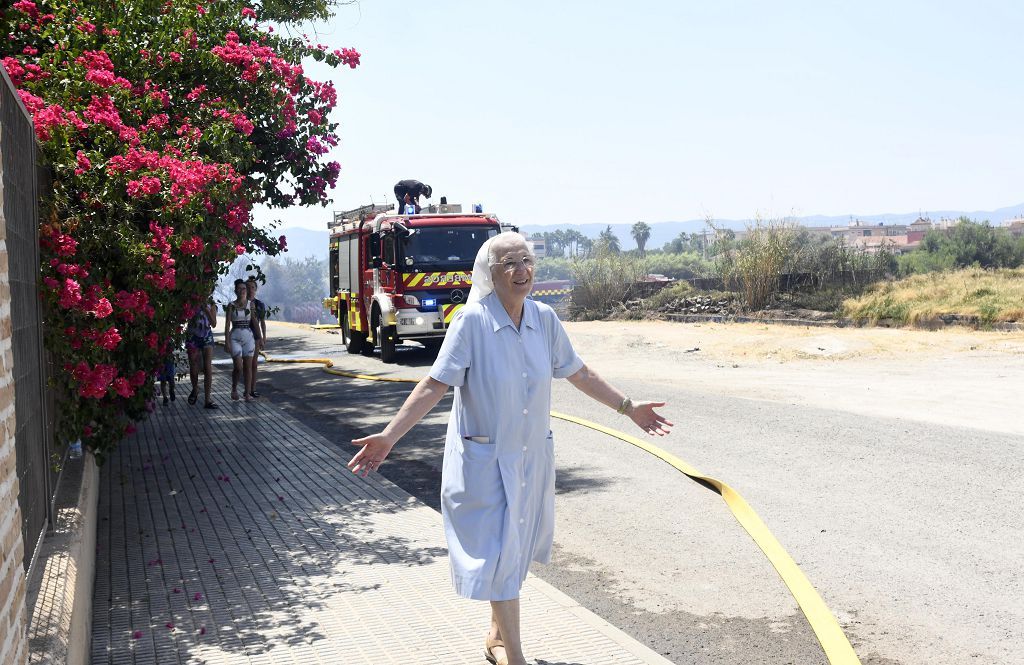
(482, 282)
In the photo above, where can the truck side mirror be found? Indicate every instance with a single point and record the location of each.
(375, 259)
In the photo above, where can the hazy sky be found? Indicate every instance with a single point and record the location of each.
(594, 111)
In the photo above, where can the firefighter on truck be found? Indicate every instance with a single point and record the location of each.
(402, 277)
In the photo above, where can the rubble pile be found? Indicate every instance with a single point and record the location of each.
(699, 305)
(686, 305)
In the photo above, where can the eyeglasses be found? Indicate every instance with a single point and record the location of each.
(510, 265)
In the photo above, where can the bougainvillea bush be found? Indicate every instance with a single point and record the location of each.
(163, 123)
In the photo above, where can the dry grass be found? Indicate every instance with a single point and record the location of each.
(985, 296)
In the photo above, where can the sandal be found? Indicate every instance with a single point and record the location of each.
(210, 405)
(192, 397)
(234, 395)
(489, 645)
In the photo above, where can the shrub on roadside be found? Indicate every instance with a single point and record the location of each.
(759, 258)
(603, 282)
(988, 296)
(163, 124)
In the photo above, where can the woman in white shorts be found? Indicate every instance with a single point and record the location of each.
(239, 340)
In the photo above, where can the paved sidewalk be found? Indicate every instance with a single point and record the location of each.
(235, 536)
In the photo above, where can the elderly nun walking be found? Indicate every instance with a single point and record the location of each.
(498, 477)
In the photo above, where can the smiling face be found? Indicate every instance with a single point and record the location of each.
(512, 266)
(240, 290)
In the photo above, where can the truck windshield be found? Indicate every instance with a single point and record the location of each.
(443, 247)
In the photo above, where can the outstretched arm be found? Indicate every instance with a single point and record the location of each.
(376, 447)
(643, 414)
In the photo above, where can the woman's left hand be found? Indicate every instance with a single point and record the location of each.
(644, 415)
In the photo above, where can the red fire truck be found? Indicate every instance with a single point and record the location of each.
(402, 277)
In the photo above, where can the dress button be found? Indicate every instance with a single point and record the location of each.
(522, 485)
(524, 449)
(525, 411)
(521, 520)
(524, 375)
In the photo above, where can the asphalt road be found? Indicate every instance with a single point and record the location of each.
(909, 531)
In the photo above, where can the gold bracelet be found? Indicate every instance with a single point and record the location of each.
(625, 406)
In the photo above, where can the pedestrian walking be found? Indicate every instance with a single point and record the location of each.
(239, 340)
(259, 329)
(498, 478)
(199, 346)
(166, 377)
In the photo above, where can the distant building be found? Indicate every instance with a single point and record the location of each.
(1015, 226)
(922, 224)
(538, 245)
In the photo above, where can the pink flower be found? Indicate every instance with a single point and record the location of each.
(122, 387)
(349, 56)
(103, 308)
(193, 246)
(314, 146)
(109, 339)
(27, 7)
(145, 186)
(70, 294)
(248, 12)
(239, 249)
(65, 245)
(93, 381)
(83, 162)
(242, 124)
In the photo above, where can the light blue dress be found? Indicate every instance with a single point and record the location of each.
(498, 498)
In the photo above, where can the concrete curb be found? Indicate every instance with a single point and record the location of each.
(60, 627)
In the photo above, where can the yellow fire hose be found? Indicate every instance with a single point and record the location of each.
(830, 635)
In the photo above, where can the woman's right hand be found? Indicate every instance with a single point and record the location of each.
(374, 450)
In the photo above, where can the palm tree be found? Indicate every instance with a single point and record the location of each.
(641, 233)
(608, 241)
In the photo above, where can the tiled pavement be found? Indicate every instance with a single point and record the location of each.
(235, 536)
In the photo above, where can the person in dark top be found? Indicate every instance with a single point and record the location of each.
(199, 344)
(259, 329)
(410, 191)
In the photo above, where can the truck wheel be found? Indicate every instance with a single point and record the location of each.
(354, 340)
(386, 336)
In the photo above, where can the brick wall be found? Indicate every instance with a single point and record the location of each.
(13, 643)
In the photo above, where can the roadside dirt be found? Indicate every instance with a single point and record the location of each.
(957, 376)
